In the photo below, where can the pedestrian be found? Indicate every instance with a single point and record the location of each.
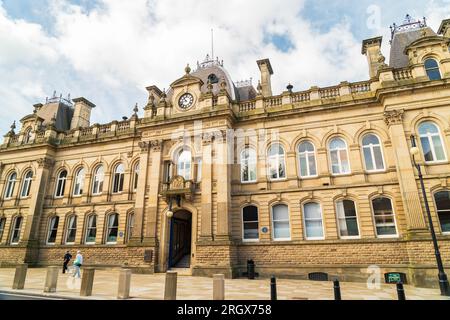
(77, 264)
(67, 258)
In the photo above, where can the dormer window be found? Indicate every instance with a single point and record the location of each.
(212, 78)
(432, 69)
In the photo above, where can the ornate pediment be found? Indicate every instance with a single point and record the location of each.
(187, 80)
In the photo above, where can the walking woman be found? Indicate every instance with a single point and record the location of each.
(77, 264)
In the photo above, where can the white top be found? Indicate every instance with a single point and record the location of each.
(79, 258)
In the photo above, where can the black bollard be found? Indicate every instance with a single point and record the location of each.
(251, 270)
(337, 290)
(400, 291)
(273, 288)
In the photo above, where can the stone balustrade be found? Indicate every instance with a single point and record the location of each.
(402, 74)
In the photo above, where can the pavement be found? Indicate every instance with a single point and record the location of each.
(151, 287)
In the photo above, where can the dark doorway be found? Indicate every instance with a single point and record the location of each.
(180, 240)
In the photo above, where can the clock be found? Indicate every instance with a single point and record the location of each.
(186, 101)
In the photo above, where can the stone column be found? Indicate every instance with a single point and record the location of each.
(139, 206)
(154, 182)
(405, 171)
(206, 212)
(37, 192)
(223, 165)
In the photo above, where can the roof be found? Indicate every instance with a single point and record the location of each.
(63, 113)
(401, 40)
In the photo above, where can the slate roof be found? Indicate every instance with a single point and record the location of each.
(63, 112)
(398, 58)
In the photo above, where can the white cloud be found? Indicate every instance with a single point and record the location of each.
(109, 53)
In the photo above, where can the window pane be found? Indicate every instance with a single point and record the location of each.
(337, 144)
(438, 148)
(251, 230)
(280, 212)
(303, 166)
(386, 230)
(434, 74)
(250, 214)
(344, 161)
(368, 159)
(428, 127)
(378, 158)
(281, 230)
(370, 139)
(314, 229)
(426, 149)
(443, 207)
(335, 162)
(312, 211)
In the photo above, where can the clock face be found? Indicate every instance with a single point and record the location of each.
(186, 101)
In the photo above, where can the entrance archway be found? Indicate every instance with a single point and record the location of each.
(180, 240)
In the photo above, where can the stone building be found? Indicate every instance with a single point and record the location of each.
(217, 172)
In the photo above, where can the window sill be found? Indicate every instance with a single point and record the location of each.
(433, 163)
(277, 180)
(388, 236)
(315, 239)
(348, 174)
(249, 182)
(283, 239)
(375, 171)
(309, 177)
(250, 241)
(350, 238)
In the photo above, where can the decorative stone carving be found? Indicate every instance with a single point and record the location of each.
(45, 163)
(145, 146)
(178, 186)
(208, 138)
(156, 145)
(393, 117)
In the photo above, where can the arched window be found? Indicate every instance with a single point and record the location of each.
(130, 226)
(78, 183)
(277, 165)
(113, 228)
(432, 69)
(16, 228)
(373, 156)
(250, 224)
(71, 231)
(384, 217)
(10, 185)
(52, 230)
(347, 219)
(2, 228)
(307, 159)
(61, 184)
(312, 216)
(91, 229)
(280, 222)
(432, 146)
(136, 176)
(339, 157)
(442, 200)
(248, 165)
(99, 177)
(212, 78)
(26, 184)
(185, 164)
(119, 175)
(27, 136)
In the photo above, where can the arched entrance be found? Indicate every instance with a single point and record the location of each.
(180, 237)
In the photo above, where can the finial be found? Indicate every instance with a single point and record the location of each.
(259, 87)
(54, 94)
(136, 108)
(223, 84)
(187, 69)
(13, 126)
(290, 87)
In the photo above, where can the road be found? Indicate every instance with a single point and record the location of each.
(6, 296)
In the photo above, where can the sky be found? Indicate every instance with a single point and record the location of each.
(108, 51)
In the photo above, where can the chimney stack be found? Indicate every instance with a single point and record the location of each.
(371, 48)
(82, 113)
(444, 29)
(266, 72)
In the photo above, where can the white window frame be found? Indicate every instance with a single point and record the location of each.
(50, 230)
(388, 236)
(109, 216)
(130, 225)
(120, 176)
(79, 182)
(243, 223)
(2, 227)
(273, 223)
(321, 219)
(306, 154)
(278, 158)
(338, 218)
(13, 229)
(99, 179)
(372, 153)
(429, 137)
(249, 163)
(339, 157)
(63, 181)
(182, 166)
(88, 228)
(68, 229)
(26, 185)
(136, 171)
(437, 212)
(10, 185)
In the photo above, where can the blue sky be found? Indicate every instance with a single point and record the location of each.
(109, 50)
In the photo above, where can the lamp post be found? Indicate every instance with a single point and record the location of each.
(443, 281)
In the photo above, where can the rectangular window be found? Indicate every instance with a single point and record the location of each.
(347, 219)
(313, 221)
(280, 220)
(384, 217)
(17, 226)
(113, 228)
(71, 230)
(250, 223)
(91, 230)
(443, 210)
(167, 171)
(2, 227)
(52, 230)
